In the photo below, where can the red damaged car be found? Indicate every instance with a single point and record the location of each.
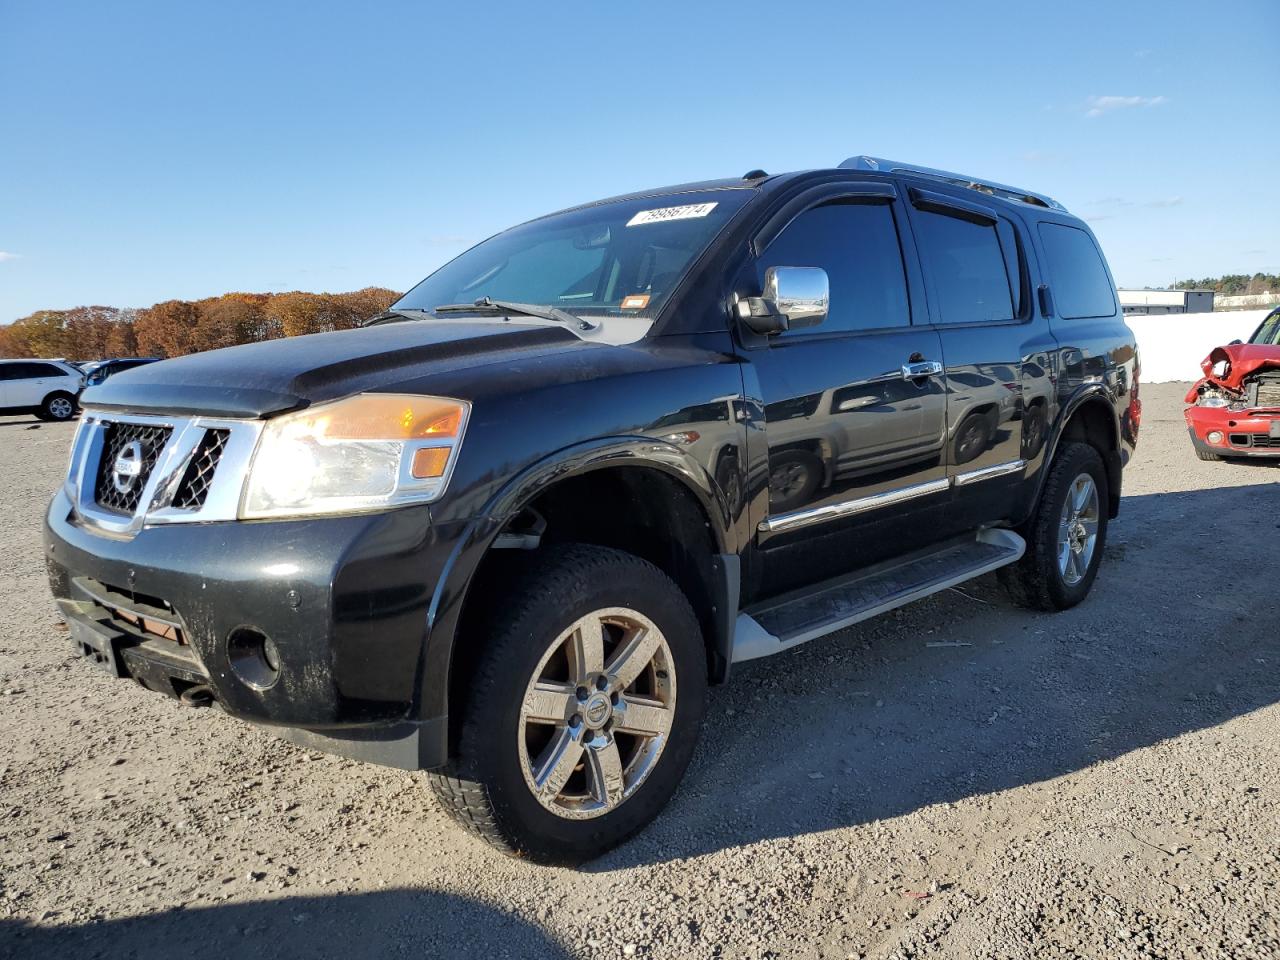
(1235, 410)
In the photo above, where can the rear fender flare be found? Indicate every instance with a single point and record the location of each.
(1095, 393)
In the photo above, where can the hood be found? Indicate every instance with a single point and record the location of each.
(261, 379)
(1242, 360)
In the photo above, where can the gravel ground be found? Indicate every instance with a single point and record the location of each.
(1097, 783)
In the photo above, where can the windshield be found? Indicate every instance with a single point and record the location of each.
(616, 258)
(1268, 331)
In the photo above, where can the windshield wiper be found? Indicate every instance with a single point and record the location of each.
(390, 315)
(500, 307)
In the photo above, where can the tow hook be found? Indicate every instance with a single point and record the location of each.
(201, 696)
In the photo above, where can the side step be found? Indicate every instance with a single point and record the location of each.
(791, 619)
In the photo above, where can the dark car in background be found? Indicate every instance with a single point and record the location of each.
(99, 371)
(511, 530)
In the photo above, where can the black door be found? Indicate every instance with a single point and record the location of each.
(855, 443)
(997, 350)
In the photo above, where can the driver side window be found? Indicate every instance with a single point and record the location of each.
(857, 244)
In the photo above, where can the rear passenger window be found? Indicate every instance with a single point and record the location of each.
(1081, 287)
(857, 244)
(968, 267)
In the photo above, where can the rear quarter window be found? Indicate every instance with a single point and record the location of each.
(1078, 277)
(969, 267)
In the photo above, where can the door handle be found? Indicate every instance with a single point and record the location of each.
(917, 371)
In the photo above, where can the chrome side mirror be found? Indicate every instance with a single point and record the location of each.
(793, 297)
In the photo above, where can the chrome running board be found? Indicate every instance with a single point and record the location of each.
(792, 619)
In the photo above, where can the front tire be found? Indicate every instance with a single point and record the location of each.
(583, 710)
(1067, 535)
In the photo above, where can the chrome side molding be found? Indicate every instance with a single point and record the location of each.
(799, 519)
(988, 473)
(833, 511)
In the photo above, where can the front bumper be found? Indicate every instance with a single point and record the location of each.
(1243, 433)
(345, 601)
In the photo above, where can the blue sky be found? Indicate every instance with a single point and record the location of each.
(159, 150)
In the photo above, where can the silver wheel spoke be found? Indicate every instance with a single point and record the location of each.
(605, 764)
(587, 645)
(550, 702)
(1090, 527)
(632, 656)
(642, 717)
(1084, 487)
(557, 762)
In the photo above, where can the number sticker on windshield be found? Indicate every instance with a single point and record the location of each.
(663, 214)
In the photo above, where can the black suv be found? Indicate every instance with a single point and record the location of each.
(511, 529)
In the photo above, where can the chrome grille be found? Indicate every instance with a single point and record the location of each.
(190, 469)
(194, 488)
(124, 498)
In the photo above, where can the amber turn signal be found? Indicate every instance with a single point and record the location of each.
(429, 462)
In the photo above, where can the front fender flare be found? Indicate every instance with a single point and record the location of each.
(449, 597)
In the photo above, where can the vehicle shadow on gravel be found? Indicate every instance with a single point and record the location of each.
(964, 694)
(399, 923)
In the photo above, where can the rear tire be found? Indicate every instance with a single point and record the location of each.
(615, 780)
(1064, 544)
(58, 407)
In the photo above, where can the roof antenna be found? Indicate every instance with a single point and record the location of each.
(754, 175)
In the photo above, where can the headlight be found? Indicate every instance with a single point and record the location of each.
(1208, 401)
(367, 452)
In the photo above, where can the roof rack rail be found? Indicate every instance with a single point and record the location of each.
(959, 179)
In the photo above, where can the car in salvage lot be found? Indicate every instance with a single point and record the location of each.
(1234, 409)
(49, 389)
(509, 531)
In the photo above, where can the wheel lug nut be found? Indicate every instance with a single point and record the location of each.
(615, 698)
(602, 683)
(582, 693)
(575, 721)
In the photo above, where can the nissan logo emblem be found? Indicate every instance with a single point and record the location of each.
(128, 466)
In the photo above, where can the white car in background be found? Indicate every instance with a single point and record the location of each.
(47, 388)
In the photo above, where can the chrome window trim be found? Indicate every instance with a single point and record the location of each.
(988, 473)
(834, 511)
(155, 504)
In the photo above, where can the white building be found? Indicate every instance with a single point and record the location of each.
(1166, 301)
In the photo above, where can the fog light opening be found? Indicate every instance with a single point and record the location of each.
(253, 657)
(1215, 436)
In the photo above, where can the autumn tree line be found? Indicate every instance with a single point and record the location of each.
(1234, 284)
(177, 327)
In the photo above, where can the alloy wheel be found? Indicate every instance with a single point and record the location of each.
(597, 713)
(1078, 529)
